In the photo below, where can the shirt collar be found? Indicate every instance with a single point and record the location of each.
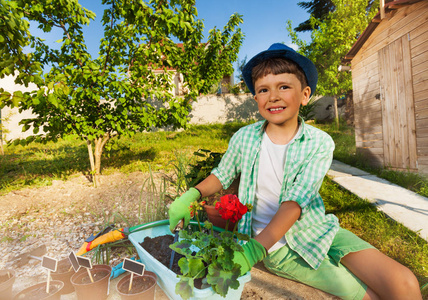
(301, 134)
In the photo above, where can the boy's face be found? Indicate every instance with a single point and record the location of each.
(279, 98)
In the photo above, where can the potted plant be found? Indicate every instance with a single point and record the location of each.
(39, 292)
(7, 279)
(64, 273)
(210, 256)
(95, 288)
(208, 253)
(226, 212)
(143, 287)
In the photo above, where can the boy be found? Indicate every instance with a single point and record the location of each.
(282, 163)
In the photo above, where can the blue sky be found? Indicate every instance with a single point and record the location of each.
(264, 22)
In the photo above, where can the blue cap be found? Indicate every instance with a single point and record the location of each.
(281, 51)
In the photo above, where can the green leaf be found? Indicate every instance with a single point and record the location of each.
(185, 287)
(53, 99)
(25, 127)
(192, 267)
(182, 247)
(221, 280)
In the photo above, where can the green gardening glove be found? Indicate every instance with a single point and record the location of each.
(179, 209)
(253, 253)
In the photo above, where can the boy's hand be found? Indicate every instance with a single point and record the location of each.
(179, 209)
(253, 253)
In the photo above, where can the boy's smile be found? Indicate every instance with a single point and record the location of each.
(279, 98)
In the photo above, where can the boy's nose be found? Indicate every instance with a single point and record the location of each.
(274, 96)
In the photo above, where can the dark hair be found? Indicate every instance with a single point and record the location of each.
(278, 65)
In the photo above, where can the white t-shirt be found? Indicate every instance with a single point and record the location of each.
(269, 182)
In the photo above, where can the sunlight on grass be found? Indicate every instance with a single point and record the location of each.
(345, 152)
(39, 164)
(362, 218)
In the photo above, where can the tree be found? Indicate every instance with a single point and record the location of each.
(241, 65)
(318, 9)
(119, 92)
(14, 33)
(331, 39)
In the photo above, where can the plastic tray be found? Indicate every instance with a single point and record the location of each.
(168, 279)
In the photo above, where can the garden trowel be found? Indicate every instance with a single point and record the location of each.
(176, 230)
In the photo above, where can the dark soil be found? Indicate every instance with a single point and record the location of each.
(39, 293)
(158, 247)
(139, 284)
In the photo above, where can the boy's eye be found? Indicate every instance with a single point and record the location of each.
(284, 87)
(262, 91)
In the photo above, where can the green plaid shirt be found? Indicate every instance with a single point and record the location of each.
(307, 161)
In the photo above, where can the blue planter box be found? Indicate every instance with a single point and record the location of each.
(168, 279)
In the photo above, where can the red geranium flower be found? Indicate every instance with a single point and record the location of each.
(230, 208)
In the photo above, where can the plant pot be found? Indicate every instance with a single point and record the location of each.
(7, 279)
(143, 287)
(168, 279)
(64, 273)
(38, 291)
(85, 289)
(215, 218)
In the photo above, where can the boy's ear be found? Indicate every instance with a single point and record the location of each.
(306, 95)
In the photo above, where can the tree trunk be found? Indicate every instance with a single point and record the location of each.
(1, 136)
(91, 159)
(336, 111)
(95, 157)
(98, 152)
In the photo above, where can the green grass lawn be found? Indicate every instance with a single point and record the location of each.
(39, 164)
(345, 152)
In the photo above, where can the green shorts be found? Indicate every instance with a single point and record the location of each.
(331, 276)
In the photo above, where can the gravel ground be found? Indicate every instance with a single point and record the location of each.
(62, 216)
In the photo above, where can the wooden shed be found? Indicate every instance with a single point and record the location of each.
(389, 64)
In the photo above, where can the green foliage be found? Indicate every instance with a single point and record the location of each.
(235, 89)
(119, 92)
(318, 9)
(202, 168)
(331, 38)
(14, 32)
(221, 280)
(207, 255)
(307, 111)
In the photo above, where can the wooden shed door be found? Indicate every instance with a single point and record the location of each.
(398, 109)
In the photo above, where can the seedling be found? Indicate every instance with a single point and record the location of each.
(134, 267)
(50, 264)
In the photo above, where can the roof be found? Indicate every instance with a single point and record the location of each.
(389, 7)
